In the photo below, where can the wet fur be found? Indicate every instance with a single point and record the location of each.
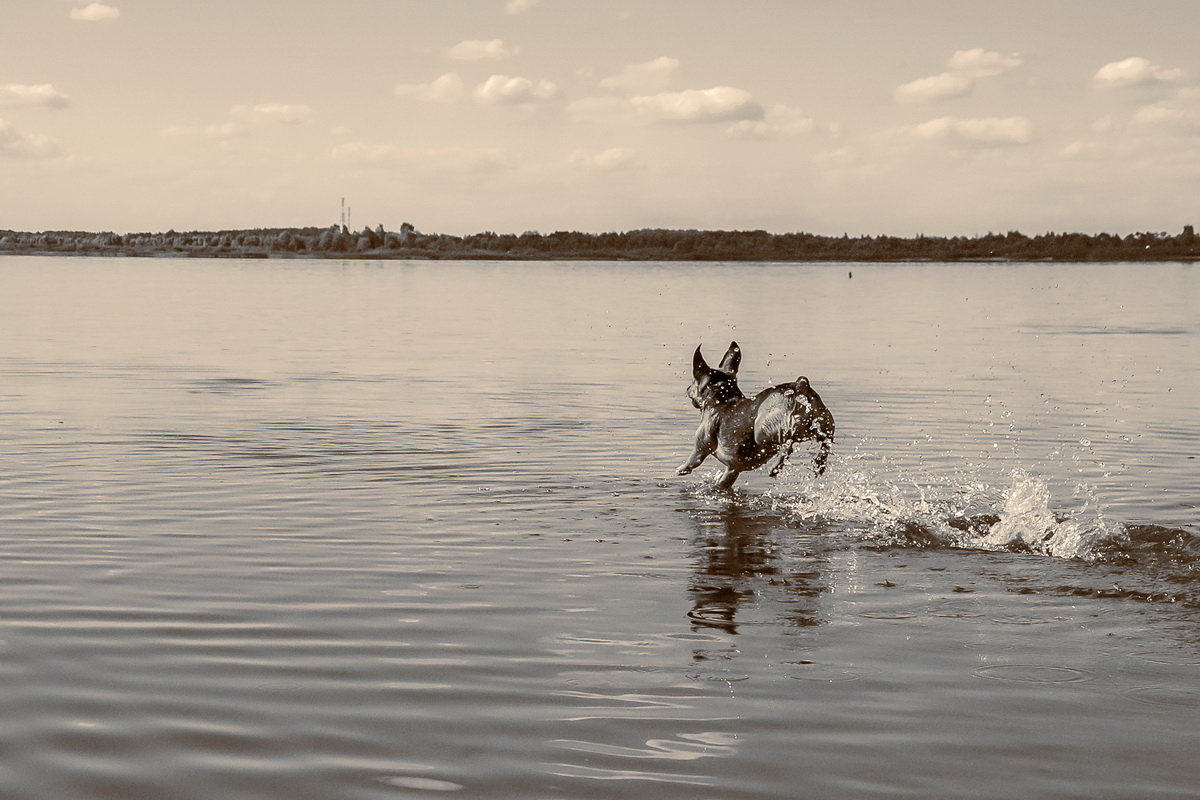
(747, 433)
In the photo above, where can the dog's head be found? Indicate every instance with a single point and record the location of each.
(712, 387)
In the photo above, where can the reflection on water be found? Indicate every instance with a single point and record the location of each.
(292, 529)
(744, 556)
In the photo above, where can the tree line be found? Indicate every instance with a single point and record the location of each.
(338, 241)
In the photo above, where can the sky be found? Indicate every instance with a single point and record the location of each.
(460, 116)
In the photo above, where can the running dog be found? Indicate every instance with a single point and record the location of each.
(747, 433)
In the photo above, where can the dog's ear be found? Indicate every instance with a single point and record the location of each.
(732, 359)
(700, 368)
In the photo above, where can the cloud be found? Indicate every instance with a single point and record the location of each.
(1084, 150)
(610, 160)
(243, 118)
(935, 87)
(963, 69)
(780, 120)
(272, 112)
(427, 159)
(15, 144)
(982, 132)
(599, 108)
(980, 63)
(95, 12)
(223, 130)
(519, 6)
(214, 130)
(1179, 114)
(1134, 71)
(42, 94)
(838, 157)
(718, 104)
(514, 91)
(446, 88)
(481, 50)
(645, 77)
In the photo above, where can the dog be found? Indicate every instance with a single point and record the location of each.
(746, 433)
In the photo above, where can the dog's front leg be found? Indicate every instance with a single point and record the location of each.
(777, 462)
(706, 444)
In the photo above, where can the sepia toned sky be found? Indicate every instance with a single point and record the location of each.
(863, 116)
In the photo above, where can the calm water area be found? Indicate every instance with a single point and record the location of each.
(338, 530)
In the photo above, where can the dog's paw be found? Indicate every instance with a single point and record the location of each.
(683, 469)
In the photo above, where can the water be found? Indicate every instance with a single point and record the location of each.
(387, 530)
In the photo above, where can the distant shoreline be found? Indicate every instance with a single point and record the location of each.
(262, 256)
(339, 243)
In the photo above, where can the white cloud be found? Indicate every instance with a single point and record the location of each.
(214, 130)
(446, 88)
(964, 68)
(223, 130)
(95, 12)
(645, 77)
(272, 112)
(981, 132)
(1083, 150)
(838, 157)
(1134, 71)
(41, 94)
(935, 87)
(718, 104)
(481, 50)
(243, 118)
(609, 160)
(427, 159)
(15, 144)
(519, 6)
(516, 91)
(981, 63)
(1180, 113)
(780, 120)
(599, 108)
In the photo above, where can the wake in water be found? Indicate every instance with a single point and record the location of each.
(881, 505)
(886, 505)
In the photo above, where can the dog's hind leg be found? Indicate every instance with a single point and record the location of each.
(822, 430)
(822, 456)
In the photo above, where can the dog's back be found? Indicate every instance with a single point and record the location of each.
(746, 433)
(789, 413)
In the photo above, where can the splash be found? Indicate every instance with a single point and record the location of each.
(889, 507)
(1026, 522)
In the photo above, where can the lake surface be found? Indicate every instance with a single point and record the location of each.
(302, 529)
